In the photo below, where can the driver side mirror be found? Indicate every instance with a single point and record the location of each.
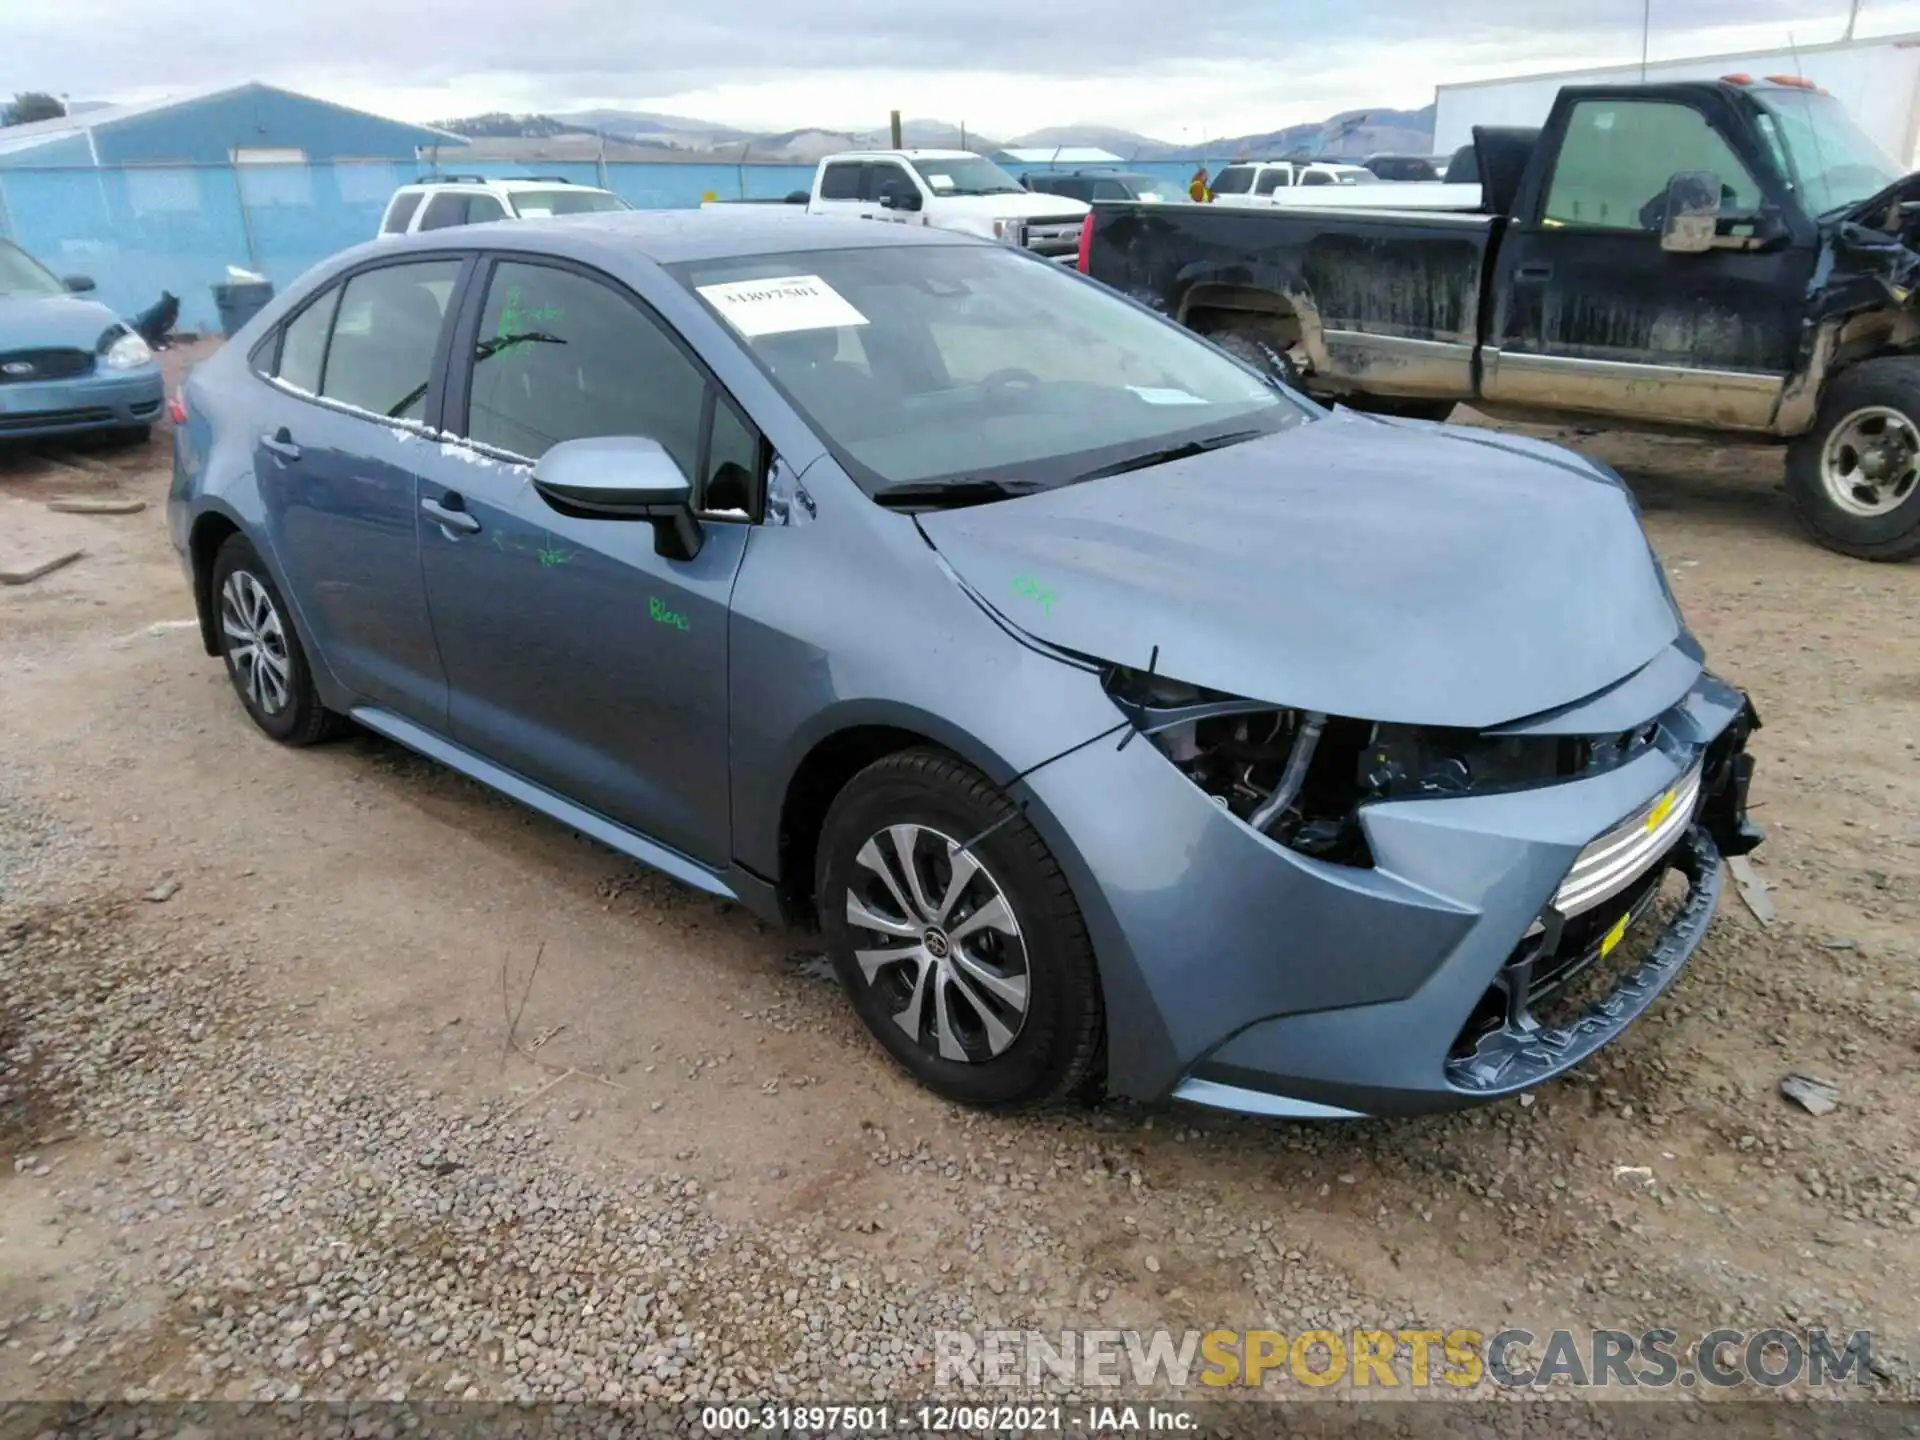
(899, 197)
(78, 284)
(1692, 216)
(622, 477)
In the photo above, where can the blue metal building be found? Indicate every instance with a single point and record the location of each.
(242, 124)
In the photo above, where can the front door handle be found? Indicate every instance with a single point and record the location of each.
(451, 518)
(280, 443)
(1534, 271)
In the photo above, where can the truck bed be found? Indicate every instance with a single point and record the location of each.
(1357, 291)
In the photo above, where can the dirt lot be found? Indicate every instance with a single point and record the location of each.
(266, 1133)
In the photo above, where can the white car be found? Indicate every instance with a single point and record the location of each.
(474, 199)
(947, 189)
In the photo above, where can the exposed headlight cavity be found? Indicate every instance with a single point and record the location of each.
(1302, 777)
(1288, 772)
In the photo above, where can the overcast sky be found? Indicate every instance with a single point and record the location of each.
(1174, 71)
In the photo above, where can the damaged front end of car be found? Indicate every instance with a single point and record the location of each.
(1631, 909)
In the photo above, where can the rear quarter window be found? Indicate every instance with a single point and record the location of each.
(400, 212)
(444, 210)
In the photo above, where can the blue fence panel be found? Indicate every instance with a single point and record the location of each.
(683, 187)
(140, 230)
(298, 215)
(137, 231)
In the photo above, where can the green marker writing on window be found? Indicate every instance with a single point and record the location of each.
(1032, 589)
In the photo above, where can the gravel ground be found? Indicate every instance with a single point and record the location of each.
(289, 1109)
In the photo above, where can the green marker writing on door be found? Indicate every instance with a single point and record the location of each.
(661, 614)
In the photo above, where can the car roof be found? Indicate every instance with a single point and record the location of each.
(904, 155)
(669, 237)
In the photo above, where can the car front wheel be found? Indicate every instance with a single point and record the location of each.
(952, 928)
(1855, 477)
(262, 651)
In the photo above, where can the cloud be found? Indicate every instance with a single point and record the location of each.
(1003, 64)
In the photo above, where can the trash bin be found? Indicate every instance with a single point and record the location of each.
(239, 303)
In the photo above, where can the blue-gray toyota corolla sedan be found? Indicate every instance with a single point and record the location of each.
(68, 365)
(1124, 720)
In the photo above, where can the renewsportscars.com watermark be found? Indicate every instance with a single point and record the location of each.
(1378, 1360)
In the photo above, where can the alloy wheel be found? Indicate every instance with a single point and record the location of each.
(256, 643)
(948, 957)
(1871, 462)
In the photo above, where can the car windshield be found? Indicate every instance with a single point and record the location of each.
(21, 274)
(966, 175)
(531, 204)
(1830, 159)
(971, 365)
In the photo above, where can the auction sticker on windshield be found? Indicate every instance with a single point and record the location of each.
(781, 304)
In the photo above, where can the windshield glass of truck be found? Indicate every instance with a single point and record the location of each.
(938, 363)
(533, 204)
(21, 274)
(966, 175)
(1833, 162)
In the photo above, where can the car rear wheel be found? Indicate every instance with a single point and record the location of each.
(952, 928)
(1855, 477)
(262, 652)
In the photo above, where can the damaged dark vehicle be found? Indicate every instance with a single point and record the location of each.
(1728, 258)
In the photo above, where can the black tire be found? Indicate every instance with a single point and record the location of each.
(299, 718)
(1262, 344)
(1893, 384)
(1056, 1048)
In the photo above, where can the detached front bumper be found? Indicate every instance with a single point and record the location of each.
(102, 400)
(1241, 975)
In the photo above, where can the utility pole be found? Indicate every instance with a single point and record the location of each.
(1646, 28)
(895, 122)
(1853, 14)
(963, 134)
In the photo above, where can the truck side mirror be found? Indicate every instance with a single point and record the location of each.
(1692, 215)
(899, 197)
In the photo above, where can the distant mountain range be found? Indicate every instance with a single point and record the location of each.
(642, 134)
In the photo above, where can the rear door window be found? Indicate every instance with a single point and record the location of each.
(380, 358)
(400, 212)
(1270, 181)
(841, 182)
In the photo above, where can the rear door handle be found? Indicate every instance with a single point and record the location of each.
(280, 443)
(451, 518)
(1534, 270)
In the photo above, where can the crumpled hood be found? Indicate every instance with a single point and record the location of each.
(1364, 569)
(34, 322)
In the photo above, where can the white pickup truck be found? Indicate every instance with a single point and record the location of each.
(948, 189)
(1321, 184)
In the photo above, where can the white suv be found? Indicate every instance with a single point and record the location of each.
(473, 199)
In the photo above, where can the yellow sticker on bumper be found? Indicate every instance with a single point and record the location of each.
(1615, 935)
(1662, 808)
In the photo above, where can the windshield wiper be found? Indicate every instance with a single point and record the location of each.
(966, 491)
(1171, 453)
